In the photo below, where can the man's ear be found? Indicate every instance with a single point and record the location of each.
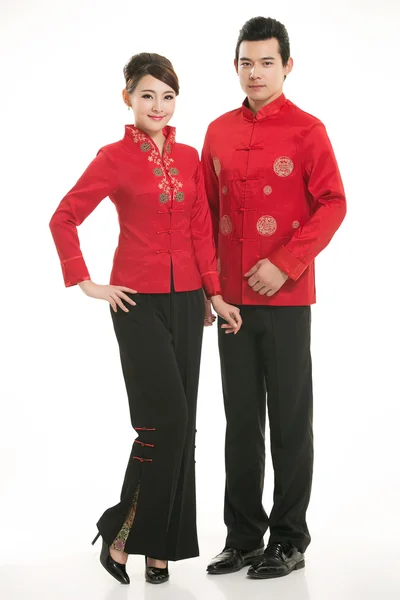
(289, 66)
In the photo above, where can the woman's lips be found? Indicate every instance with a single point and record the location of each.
(156, 118)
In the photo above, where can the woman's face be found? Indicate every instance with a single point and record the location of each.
(153, 104)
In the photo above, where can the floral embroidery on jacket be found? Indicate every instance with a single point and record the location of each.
(266, 225)
(283, 166)
(225, 225)
(162, 166)
(217, 166)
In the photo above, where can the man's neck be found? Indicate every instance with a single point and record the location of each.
(256, 106)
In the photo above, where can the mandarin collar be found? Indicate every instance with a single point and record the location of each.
(134, 135)
(267, 111)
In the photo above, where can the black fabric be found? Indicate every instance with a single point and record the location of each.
(270, 355)
(160, 345)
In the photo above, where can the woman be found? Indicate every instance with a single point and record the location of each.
(165, 256)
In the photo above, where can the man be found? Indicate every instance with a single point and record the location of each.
(277, 199)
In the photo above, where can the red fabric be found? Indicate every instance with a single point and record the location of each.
(163, 215)
(275, 192)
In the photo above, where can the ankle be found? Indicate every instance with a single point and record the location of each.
(155, 562)
(118, 555)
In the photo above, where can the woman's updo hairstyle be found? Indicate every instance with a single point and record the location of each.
(147, 63)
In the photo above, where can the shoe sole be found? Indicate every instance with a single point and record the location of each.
(156, 582)
(248, 562)
(122, 582)
(299, 565)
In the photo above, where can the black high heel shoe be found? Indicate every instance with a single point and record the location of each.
(155, 574)
(115, 569)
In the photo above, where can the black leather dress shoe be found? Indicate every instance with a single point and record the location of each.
(231, 560)
(116, 569)
(278, 560)
(155, 574)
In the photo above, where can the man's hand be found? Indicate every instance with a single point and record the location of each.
(265, 278)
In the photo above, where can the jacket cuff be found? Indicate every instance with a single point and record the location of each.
(211, 284)
(74, 271)
(287, 262)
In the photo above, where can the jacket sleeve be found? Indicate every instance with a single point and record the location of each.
(202, 236)
(96, 183)
(328, 205)
(211, 185)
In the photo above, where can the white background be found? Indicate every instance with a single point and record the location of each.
(65, 432)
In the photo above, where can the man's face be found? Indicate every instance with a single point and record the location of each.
(261, 72)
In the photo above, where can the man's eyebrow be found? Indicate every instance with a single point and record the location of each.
(264, 58)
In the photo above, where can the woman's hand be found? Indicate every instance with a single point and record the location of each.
(209, 316)
(114, 294)
(230, 314)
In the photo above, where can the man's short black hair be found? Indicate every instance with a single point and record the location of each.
(262, 28)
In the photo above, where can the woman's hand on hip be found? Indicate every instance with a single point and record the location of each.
(230, 314)
(114, 294)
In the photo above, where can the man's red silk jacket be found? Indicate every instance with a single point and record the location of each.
(275, 192)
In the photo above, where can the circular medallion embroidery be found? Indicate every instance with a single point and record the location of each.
(174, 171)
(266, 225)
(225, 225)
(164, 198)
(295, 224)
(217, 165)
(179, 196)
(219, 266)
(283, 166)
(267, 190)
(224, 190)
(158, 172)
(145, 147)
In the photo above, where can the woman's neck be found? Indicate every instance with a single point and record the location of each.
(158, 138)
